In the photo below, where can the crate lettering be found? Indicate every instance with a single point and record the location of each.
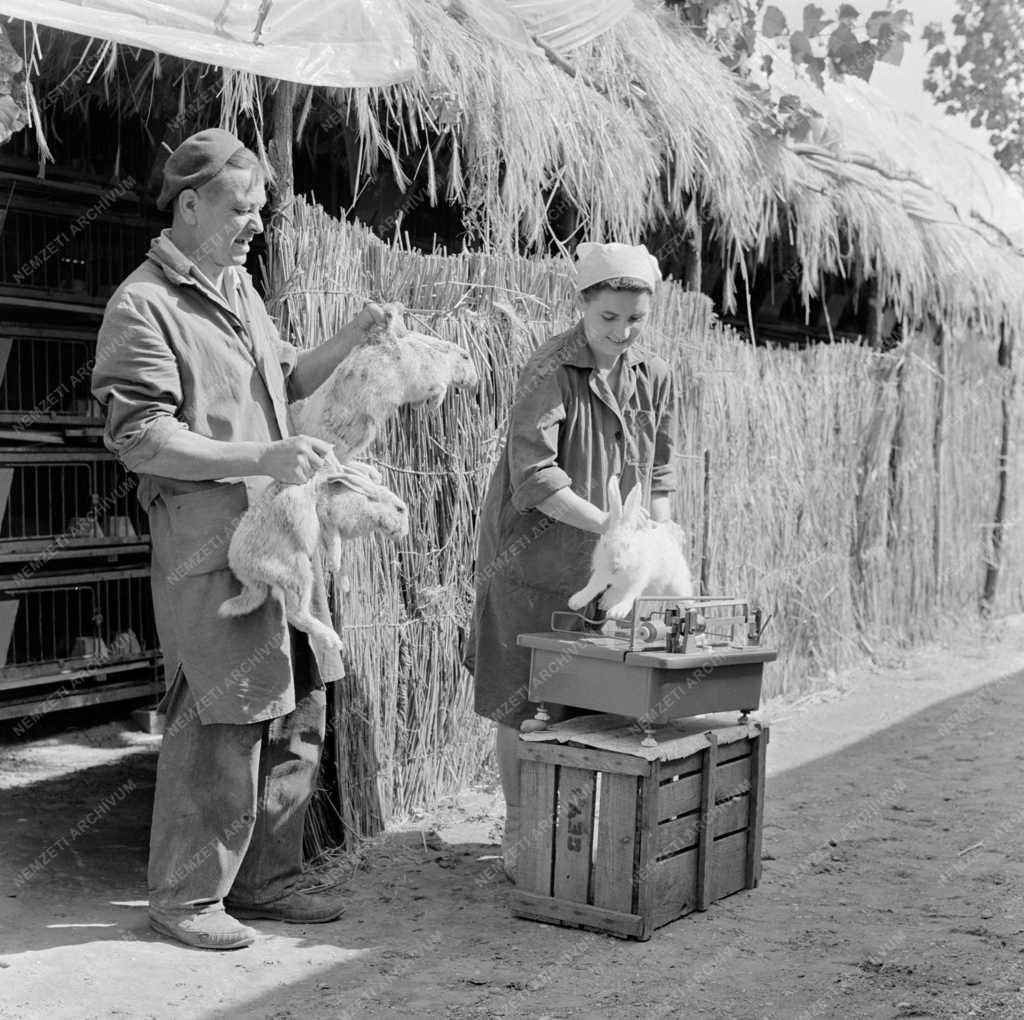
(576, 826)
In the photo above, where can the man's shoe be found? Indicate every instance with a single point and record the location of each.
(300, 906)
(214, 930)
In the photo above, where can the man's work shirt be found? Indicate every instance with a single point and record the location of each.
(174, 353)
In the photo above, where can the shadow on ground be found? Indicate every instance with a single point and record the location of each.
(893, 886)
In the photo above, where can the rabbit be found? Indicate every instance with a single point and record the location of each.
(635, 556)
(277, 537)
(393, 367)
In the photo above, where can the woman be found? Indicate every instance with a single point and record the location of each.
(590, 404)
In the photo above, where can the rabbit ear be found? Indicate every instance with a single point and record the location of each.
(614, 501)
(633, 501)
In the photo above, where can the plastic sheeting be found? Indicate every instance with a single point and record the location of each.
(563, 25)
(340, 43)
(568, 24)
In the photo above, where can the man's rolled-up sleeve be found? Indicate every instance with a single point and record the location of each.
(663, 476)
(537, 414)
(135, 376)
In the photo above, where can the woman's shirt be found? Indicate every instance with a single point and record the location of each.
(568, 429)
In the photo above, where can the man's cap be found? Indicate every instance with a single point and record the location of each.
(196, 161)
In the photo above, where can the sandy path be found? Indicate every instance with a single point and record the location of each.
(893, 885)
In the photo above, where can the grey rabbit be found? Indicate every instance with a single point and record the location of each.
(392, 367)
(278, 536)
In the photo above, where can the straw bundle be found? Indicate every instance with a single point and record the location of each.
(822, 492)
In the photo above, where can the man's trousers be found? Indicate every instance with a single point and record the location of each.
(230, 801)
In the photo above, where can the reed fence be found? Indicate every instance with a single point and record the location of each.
(849, 492)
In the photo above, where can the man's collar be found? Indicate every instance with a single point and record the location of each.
(179, 268)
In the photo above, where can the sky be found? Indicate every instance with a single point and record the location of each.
(903, 84)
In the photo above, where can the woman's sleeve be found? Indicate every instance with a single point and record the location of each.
(663, 478)
(537, 413)
(135, 376)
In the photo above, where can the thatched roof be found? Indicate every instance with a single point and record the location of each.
(875, 192)
(627, 131)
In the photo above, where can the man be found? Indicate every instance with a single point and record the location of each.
(195, 381)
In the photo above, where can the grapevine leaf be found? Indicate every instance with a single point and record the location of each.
(800, 47)
(774, 23)
(814, 19)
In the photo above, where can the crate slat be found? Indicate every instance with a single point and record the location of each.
(732, 778)
(675, 887)
(680, 797)
(581, 915)
(730, 871)
(737, 749)
(707, 800)
(574, 834)
(585, 757)
(757, 774)
(647, 828)
(536, 827)
(726, 816)
(616, 843)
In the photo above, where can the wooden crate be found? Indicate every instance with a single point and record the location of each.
(624, 839)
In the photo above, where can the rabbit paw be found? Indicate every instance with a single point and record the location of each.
(578, 601)
(620, 610)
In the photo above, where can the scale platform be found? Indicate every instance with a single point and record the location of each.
(603, 675)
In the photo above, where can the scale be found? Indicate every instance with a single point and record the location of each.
(673, 658)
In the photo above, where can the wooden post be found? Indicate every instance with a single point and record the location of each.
(705, 559)
(938, 450)
(694, 271)
(894, 522)
(280, 147)
(875, 316)
(1005, 360)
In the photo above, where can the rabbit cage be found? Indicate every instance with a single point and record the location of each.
(68, 243)
(76, 617)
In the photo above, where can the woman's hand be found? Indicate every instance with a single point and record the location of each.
(370, 315)
(661, 508)
(566, 507)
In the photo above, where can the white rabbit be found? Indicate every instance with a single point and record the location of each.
(277, 537)
(635, 556)
(391, 368)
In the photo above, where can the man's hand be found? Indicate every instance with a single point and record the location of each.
(296, 459)
(314, 365)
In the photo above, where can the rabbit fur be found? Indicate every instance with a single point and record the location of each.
(635, 556)
(391, 368)
(277, 537)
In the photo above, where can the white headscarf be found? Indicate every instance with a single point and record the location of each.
(598, 262)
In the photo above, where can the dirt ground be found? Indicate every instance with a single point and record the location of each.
(893, 884)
